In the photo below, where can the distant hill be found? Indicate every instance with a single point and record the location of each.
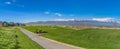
(73, 23)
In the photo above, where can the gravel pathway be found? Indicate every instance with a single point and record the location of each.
(48, 43)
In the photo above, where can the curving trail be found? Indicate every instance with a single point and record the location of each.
(48, 43)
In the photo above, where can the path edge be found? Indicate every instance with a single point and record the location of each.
(76, 47)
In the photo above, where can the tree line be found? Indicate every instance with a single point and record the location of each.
(6, 24)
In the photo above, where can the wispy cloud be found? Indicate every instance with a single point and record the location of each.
(58, 14)
(103, 19)
(8, 3)
(64, 19)
(13, 3)
(46, 12)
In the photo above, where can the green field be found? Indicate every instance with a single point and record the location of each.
(13, 38)
(86, 38)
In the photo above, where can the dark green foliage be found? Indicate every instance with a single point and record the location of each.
(5, 24)
(11, 24)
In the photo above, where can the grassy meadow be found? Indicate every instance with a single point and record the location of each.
(86, 38)
(13, 38)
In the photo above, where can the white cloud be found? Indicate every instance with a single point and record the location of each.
(64, 19)
(103, 19)
(13, 3)
(58, 14)
(46, 12)
(8, 3)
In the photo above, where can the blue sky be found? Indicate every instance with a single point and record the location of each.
(48, 10)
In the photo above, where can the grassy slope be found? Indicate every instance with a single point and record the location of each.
(23, 41)
(88, 38)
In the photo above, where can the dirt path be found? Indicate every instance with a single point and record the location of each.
(48, 43)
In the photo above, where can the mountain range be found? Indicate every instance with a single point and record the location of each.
(75, 22)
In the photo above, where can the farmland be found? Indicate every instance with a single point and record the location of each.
(88, 38)
(13, 38)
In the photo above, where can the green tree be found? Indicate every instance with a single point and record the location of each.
(11, 24)
(5, 24)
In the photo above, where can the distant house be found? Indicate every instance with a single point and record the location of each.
(1, 24)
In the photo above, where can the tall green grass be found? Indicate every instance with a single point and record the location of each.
(7, 40)
(87, 38)
(15, 39)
